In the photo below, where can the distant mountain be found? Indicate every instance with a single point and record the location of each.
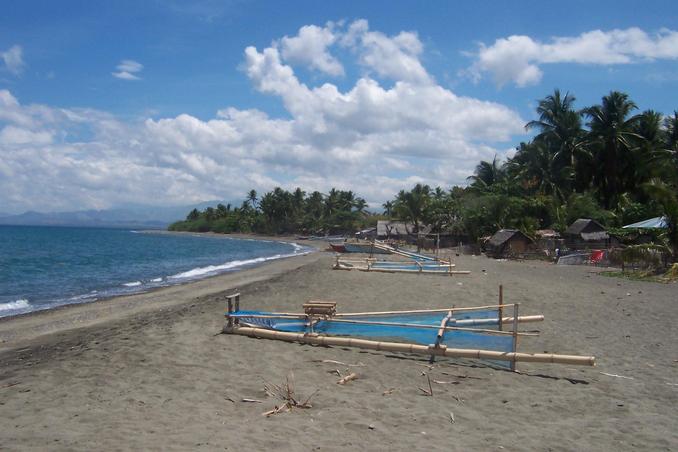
(128, 216)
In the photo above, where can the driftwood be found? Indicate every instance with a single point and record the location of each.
(331, 361)
(616, 376)
(461, 376)
(441, 382)
(350, 377)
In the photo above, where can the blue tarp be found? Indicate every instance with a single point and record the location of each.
(396, 332)
(652, 223)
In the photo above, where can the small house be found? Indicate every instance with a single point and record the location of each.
(586, 233)
(508, 243)
(394, 229)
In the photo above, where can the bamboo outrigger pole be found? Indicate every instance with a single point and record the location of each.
(442, 350)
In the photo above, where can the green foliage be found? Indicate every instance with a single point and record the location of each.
(648, 255)
(283, 212)
(585, 205)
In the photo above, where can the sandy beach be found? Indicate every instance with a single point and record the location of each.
(152, 372)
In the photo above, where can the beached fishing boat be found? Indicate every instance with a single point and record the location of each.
(473, 333)
(364, 247)
(412, 266)
(338, 247)
(404, 253)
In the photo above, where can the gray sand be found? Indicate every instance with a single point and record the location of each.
(151, 372)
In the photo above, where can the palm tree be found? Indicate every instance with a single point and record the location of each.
(412, 205)
(671, 146)
(360, 204)
(648, 150)
(252, 198)
(560, 130)
(332, 202)
(611, 136)
(193, 215)
(535, 166)
(388, 208)
(665, 195)
(487, 174)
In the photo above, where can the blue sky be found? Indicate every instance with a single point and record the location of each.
(176, 102)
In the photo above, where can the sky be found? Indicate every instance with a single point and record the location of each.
(105, 104)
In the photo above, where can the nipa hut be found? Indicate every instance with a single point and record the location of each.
(586, 233)
(394, 229)
(508, 243)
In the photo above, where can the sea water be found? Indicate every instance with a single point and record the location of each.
(45, 267)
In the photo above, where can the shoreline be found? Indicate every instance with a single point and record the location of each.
(32, 325)
(311, 247)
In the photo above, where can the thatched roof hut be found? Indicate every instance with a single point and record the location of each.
(508, 242)
(387, 228)
(586, 233)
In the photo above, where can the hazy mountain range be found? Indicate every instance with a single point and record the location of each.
(128, 216)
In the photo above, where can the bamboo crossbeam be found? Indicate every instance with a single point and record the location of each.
(460, 322)
(423, 311)
(412, 348)
(272, 315)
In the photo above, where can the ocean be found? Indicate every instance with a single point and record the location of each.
(45, 267)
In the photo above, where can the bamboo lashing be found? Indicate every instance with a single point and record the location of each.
(441, 333)
(412, 348)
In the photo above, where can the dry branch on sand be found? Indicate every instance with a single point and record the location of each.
(347, 378)
(429, 391)
(331, 361)
(286, 393)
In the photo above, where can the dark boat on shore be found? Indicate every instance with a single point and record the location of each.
(338, 247)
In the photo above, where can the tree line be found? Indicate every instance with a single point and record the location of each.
(608, 162)
(283, 212)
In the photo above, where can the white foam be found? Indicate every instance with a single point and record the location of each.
(213, 269)
(14, 305)
(132, 284)
(156, 280)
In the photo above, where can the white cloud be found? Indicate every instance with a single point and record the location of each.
(519, 58)
(12, 135)
(394, 57)
(128, 70)
(13, 59)
(310, 47)
(370, 138)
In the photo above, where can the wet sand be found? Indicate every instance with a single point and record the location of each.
(152, 372)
